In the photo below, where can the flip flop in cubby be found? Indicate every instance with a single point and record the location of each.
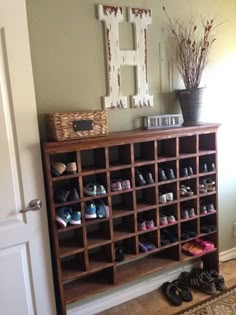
(187, 246)
(207, 185)
(197, 247)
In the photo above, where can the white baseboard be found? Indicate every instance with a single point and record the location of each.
(125, 293)
(228, 254)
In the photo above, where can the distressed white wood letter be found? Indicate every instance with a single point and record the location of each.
(116, 58)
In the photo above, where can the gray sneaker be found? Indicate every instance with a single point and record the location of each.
(184, 214)
(191, 213)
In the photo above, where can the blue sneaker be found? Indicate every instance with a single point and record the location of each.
(75, 217)
(90, 210)
(63, 215)
(101, 190)
(90, 189)
(100, 209)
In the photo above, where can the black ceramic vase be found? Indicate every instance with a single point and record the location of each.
(191, 103)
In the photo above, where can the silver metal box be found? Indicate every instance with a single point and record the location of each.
(162, 121)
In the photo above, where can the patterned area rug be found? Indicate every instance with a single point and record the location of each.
(221, 304)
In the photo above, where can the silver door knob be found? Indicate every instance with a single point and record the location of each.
(34, 205)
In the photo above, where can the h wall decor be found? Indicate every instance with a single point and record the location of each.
(141, 18)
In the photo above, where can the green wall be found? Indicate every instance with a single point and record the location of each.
(68, 57)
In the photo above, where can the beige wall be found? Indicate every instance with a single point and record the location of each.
(68, 57)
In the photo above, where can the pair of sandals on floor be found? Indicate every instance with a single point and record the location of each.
(208, 282)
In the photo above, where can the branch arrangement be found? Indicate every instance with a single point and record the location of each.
(192, 48)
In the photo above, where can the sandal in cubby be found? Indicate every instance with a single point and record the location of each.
(185, 191)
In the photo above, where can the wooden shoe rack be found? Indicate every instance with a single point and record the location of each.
(84, 258)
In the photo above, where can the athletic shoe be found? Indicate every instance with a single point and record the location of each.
(163, 219)
(100, 190)
(125, 184)
(116, 185)
(63, 215)
(191, 212)
(74, 195)
(141, 225)
(149, 224)
(90, 189)
(100, 209)
(90, 210)
(75, 217)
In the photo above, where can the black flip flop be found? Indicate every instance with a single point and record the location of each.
(184, 290)
(172, 293)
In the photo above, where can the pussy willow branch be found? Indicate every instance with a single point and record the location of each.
(192, 49)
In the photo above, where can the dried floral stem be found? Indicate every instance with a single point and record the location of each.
(192, 50)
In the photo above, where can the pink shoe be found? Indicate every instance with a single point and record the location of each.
(125, 184)
(149, 224)
(171, 219)
(142, 226)
(208, 245)
(116, 186)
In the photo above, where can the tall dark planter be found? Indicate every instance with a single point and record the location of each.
(191, 103)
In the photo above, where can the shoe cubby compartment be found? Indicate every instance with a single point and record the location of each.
(93, 160)
(188, 209)
(99, 257)
(145, 198)
(144, 152)
(212, 237)
(145, 175)
(207, 163)
(169, 235)
(123, 227)
(168, 215)
(98, 233)
(119, 156)
(121, 180)
(187, 145)
(151, 262)
(166, 149)
(207, 204)
(187, 167)
(188, 188)
(207, 142)
(147, 242)
(207, 182)
(167, 193)
(125, 249)
(167, 171)
(95, 185)
(62, 164)
(66, 191)
(147, 220)
(73, 267)
(122, 204)
(71, 241)
(132, 227)
(189, 230)
(208, 224)
(89, 284)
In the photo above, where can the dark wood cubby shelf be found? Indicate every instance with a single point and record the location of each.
(84, 255)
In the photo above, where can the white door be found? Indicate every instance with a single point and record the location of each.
(25, 268)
